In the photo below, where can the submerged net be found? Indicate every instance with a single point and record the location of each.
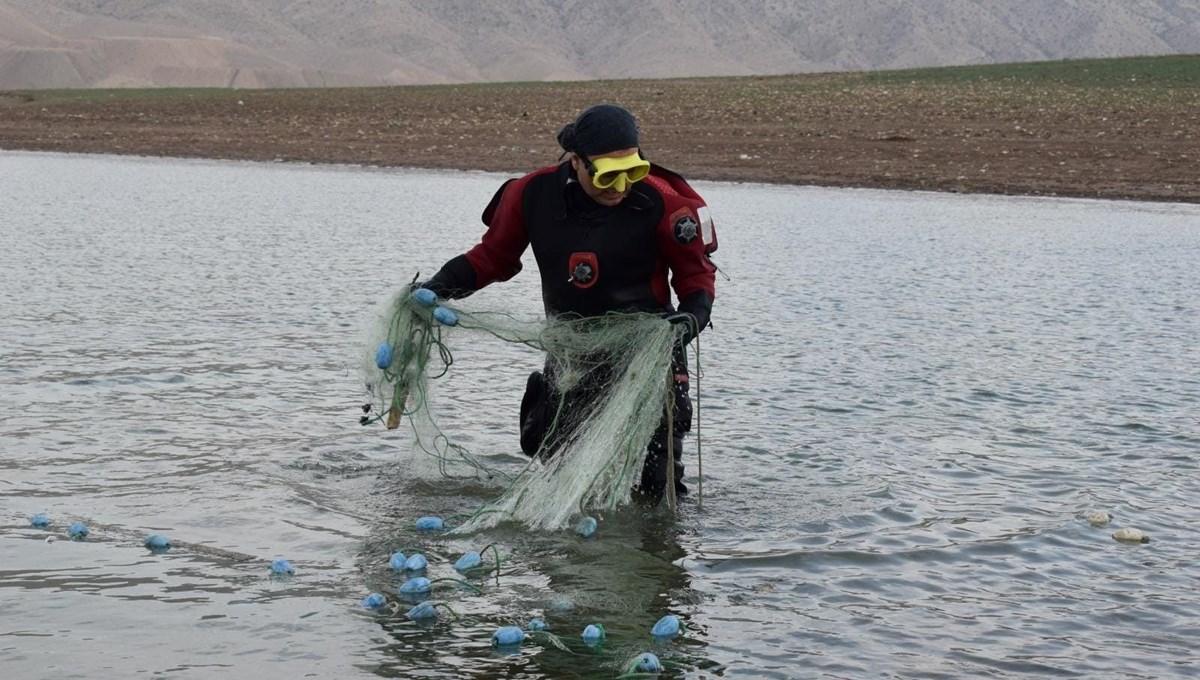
(621, 361)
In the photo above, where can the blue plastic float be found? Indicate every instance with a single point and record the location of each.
(282, 567)
(445, 316)
(40, 521)
(416, 586)
(383, 355)
(469, 561)
(157, 542)
(424, 610)
(537, 624)
(646, 663)
(593, 634)
(667, 626)
(507, 636)
(416, 562)
(374, 601)
(424, 297)
(398, 561)
(586, 527)
(77, 531)
(430, 524)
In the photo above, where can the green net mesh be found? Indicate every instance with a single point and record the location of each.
(624, 359)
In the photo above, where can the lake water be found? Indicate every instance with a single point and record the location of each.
(910, 402)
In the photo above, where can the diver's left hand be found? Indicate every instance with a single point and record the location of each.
(692, 328)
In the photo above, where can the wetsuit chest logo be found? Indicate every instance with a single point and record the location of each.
(583, 269)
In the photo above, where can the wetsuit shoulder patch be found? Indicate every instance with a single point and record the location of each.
(685, 225)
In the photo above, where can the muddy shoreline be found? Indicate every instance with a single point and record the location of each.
(846, 130)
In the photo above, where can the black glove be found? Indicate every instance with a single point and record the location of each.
(688, 321)
(694, 311)
(456, 279)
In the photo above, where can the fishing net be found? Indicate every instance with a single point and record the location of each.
(621, 362)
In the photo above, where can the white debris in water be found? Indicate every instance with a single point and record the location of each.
(1099, 518)
(49, 539)
(1130, 535)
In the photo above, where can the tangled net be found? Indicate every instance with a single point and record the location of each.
(623, 359)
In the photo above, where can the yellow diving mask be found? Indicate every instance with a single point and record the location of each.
(617, 172)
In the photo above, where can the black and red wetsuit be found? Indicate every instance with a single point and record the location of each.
(596, 259)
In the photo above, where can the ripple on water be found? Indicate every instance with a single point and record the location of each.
(910, 401)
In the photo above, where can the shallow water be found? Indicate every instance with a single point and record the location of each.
(909, 402)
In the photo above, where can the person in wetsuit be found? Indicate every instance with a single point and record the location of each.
(609, 231)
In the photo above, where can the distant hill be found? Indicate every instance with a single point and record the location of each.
(286, 43)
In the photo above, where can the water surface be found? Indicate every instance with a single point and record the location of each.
(909, 401)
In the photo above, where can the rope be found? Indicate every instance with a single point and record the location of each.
(699, 440)
(671, 439)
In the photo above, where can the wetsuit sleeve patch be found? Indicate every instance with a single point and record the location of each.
(685, 226)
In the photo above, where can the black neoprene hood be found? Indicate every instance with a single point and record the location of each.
(599, 130)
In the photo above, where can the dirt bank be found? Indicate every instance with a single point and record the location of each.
(1002, 135)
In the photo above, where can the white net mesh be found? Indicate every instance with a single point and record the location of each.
(622, 361)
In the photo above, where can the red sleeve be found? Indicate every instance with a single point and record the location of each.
(685, 238)
(497, 257)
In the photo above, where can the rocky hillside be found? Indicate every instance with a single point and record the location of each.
(280, 43)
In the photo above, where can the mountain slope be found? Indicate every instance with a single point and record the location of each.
(82, 43)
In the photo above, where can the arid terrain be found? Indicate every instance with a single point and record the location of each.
(1107, 128)
(55, 44)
